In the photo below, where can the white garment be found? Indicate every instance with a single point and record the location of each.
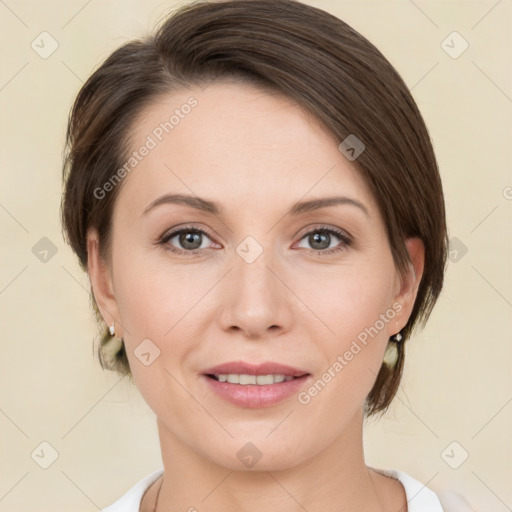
(419, 497)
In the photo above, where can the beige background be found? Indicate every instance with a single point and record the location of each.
(458, 380)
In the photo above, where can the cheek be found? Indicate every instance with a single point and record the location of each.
(171, 303)
(154, 295)
(155, 304)
(161, 302)
(348, 299)
(354, 304)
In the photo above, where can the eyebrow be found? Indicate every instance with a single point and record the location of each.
(215, 209)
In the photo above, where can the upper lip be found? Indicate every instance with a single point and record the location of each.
(266, 368)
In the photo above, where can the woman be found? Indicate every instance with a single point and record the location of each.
(255, 198)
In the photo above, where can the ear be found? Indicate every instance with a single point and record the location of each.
(407, 288)
(101, 283)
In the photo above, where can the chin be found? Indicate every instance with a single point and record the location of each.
(259, 456)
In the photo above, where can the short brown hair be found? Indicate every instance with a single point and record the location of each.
(296, 50)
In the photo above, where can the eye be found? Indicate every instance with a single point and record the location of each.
(185, 240)
(190, 240)
(321, 239)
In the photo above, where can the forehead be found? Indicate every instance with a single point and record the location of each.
(237, 144)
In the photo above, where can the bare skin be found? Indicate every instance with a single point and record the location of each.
(255, 154)
(390, 492)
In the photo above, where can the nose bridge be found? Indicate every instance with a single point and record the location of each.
(253, 278)
(257, 298)
(252, 264)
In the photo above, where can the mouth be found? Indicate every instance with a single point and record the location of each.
(262, 374)
(245, 379)
(255, 385)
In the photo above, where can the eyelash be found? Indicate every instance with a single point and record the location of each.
(346, 240)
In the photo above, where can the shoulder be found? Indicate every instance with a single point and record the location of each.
(130, 500)
(420, 498)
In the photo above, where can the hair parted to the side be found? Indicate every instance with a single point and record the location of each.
(303, 53)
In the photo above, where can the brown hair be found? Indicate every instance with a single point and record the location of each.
(296, 50)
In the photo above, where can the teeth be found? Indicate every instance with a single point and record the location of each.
(244, 379)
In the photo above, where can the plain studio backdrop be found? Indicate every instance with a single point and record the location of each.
(75, 437)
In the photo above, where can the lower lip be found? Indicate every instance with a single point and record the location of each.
(253, 395)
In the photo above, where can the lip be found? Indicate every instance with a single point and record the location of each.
(265, 368)
(254, 395)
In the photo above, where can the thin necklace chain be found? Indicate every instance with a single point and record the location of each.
(158, 495)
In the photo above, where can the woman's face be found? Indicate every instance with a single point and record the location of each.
(253, 280)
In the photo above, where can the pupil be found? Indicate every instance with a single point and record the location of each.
(187, 240)
(317, 239)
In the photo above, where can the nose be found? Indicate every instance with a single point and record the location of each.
(255, 302)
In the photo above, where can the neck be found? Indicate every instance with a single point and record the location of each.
(337, 475)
